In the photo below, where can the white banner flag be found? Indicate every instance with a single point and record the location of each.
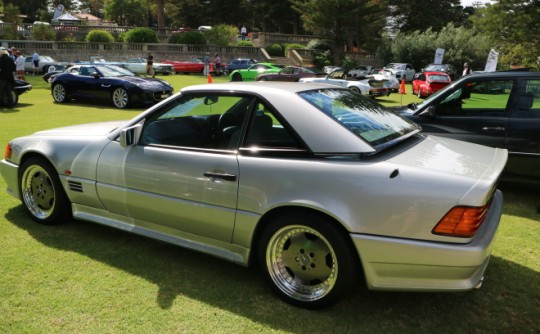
(491, 63)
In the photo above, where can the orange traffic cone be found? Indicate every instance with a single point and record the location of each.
(209, 78)
(402, 87)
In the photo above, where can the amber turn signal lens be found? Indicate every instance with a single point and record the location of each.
(461, 222)
(7, 152)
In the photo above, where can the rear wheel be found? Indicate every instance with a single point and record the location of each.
(307, 261)
(355, 90)
(120, 98)
(59, 93)
(236, 77)
(42, 192)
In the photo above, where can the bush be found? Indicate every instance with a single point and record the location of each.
(292, 46)
(141, 35)
(275, 50)
(221, 34)
(99, 36)
(244, 43)
(189, 37)
(348, 64)
(42, 32)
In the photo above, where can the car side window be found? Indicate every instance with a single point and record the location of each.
(528, 102)
(483, 97)
(207, 121)
(266, 131)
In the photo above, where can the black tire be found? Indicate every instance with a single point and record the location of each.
(355, 90)
(120, 98)
(236, 77)
(14, 99)
(59, 93)
(42, 193)
(307, 260)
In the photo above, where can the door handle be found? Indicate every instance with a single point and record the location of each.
(105, 86)
(224, 176)
(493, 128)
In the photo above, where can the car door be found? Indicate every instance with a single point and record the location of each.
(523, 139)
(476, 111)
(183, 175)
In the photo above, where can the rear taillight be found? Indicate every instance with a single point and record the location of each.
(461, 221)
(7, 152)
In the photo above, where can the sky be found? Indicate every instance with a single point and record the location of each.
(466, 3)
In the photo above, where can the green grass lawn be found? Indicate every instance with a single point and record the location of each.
(86, 278)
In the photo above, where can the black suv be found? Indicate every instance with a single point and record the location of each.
(499, 109)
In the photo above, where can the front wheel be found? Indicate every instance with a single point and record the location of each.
(307, 261)
(42, 192)
(120, 98)
(59, 93)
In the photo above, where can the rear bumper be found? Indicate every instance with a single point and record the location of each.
(412, 265)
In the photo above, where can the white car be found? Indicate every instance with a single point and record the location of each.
(371, 87)
(315, 184)
(402, 71)
(361, 71)
(138, 66)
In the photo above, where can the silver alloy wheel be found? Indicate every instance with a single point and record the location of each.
(301, 263)
(38, 191)
(59, 93)
(120, 98)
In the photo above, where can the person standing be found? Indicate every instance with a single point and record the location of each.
(150, 65)
(243, 32)
(7, 80)
(206, 59)
(466, 69)
(35, 62)
(19, 66)
(217, 61)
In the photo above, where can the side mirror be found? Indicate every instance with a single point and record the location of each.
(130, 136)
(95, 75)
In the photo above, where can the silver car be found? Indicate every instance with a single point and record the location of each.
(315, 184)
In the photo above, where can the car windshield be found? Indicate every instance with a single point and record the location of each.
(313, 70)
(115, 71)
(366, 118)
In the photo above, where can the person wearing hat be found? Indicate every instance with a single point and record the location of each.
(7, 80)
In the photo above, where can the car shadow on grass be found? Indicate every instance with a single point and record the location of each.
(180, 272)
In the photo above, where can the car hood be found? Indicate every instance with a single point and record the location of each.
(82, 130)
(147, 82)
(437, 157)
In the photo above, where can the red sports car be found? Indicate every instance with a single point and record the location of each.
(427, 83)
(195, 65)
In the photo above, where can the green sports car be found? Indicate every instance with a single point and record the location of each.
(251, 72)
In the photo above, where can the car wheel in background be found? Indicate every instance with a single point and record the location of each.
(263, 79)
(120, 98)
(355, 90)
(307, 261)
(42, 192)
(236, 77)
(59, 93)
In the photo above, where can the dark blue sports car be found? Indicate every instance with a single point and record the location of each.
(108, 82)
(19, 87)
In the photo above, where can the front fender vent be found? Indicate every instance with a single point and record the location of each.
(75, 186)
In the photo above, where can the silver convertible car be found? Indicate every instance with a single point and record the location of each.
(315, 184)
